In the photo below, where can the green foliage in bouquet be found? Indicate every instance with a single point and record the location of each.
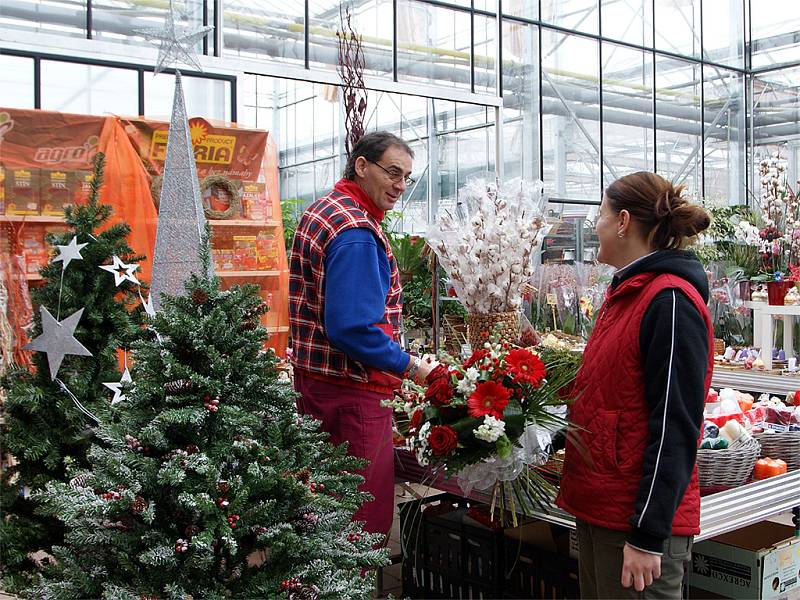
(205, 483)
(43, 429)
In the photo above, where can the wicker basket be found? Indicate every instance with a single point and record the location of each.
(785, 446)
(455, 333)
(478, 323)
(729, 467)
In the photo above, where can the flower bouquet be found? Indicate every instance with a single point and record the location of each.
(489, 420)
(487, 246)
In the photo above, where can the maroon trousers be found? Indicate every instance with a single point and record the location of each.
(357, 417)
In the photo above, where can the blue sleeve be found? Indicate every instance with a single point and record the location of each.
(357, 279)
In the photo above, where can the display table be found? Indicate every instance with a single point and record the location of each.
(719, 512)
(763, 321)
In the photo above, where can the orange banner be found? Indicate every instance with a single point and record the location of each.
(227, 151)
(35, 139)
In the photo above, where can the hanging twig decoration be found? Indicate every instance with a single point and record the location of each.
(351, 69)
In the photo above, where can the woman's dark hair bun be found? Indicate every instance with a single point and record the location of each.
(667, 217)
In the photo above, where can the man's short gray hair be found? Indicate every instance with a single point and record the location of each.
(371, 147)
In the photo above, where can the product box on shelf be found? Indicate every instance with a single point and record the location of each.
(255, 201)
(2, 191)
(56, 192)
(761, 562)
(22, 191)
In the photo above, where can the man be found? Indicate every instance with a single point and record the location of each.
(345, 308)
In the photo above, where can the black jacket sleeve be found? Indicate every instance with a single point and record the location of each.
(674, 346)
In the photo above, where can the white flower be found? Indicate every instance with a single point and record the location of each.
(465, 387)
(472, 374)
(423, 434)
(491, 429)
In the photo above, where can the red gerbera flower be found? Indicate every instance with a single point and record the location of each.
(489, 398)
(525, 367)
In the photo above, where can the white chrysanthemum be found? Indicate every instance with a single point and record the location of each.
(465, 387)
(472, 374)
(491, 429)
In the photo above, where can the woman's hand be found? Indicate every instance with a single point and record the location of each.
(639, 568)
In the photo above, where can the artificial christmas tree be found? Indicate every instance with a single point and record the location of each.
(44, 429)
(206, 483)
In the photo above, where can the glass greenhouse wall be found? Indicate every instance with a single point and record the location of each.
(575, 92)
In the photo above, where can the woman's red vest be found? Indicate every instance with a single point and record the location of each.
(601, 478)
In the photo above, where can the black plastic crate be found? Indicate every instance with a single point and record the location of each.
(448, 554)
(536, 573)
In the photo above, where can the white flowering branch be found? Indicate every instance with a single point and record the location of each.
(487, 245)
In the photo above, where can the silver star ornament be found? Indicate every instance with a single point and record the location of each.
(70, 252)
(57, 339)
(117, 269)
(176, 42)
(116, 387)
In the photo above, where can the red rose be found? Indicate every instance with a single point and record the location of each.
(443, 440)
(525, 367)
(416, 419)
(439, 391)
(439, 372)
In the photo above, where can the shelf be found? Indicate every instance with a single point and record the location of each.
(33, 277)
(242, 223)
(248, 273)
(719, 513)
(30, 219)
(753, 381)
(772, 309)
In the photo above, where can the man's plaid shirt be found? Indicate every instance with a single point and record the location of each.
(311, 350)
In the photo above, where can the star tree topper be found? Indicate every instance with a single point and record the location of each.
(57, 339)
(176, 42)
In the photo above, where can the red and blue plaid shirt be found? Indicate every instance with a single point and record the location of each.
(311, 350)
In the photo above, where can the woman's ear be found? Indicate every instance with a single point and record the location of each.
(624, 223)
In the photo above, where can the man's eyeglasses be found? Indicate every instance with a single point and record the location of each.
(394, 174)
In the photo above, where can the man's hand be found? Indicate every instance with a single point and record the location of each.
(639, 569)
(427, 365)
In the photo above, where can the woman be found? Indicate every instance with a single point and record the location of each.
(629, 474)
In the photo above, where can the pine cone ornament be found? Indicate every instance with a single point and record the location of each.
(199, 296)
(248, 325)
(191, 531)
(79, 481)
(306, 592)
(139, 505)
(223, 486)
(306, 522)
(303, 475)
(255, 311)
(179, 386)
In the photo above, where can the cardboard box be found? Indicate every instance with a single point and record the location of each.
(761, 561)
(255, 201)
(56, 191)
(82, 187)
(22, 191)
